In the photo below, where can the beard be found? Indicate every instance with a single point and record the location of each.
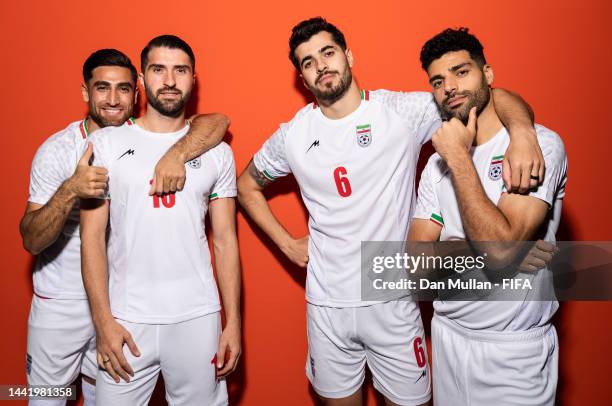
(331, 93)
(169, 108)
(478, 98)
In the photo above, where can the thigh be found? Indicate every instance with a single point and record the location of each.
(450, 362)
(187, 354)
(146, 370)
(59, 333)
(335, 364)
(519, 372)
(396, 351)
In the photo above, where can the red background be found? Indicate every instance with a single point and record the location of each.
(554, 53)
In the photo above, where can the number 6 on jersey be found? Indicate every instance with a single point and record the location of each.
(342, 182)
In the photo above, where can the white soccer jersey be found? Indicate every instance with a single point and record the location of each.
(437, 202)
(159, 263)
(356, 176)
(58, 268)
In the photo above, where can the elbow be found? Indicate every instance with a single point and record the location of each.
(30, 246)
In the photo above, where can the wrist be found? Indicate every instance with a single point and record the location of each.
(102, 319)
(232, 320)
(457, 159)
(70, 189)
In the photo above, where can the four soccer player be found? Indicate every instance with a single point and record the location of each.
(148, 184)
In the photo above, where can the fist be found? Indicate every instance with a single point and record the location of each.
(88, 181)
(453, 137)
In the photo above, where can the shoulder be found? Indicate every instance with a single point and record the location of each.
(62, 141)
(221, 150)
(549, 139)
(401, 100)
(304, 114)
(435, 169)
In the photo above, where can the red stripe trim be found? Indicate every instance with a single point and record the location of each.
(435, 222)
(82, 128)
(367, 94)
(363, 131)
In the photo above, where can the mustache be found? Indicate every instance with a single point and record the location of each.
(327, 72)
(167, 89)
(455, 94)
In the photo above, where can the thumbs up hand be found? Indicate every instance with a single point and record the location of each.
(88, 181)
(454, 137)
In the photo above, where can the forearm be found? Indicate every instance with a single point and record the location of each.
(228, 275)
(95, 277)
(206, 132)
(256, 205)
(482, 220)
(512, 110)
(40, 228)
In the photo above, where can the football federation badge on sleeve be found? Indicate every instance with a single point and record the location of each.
(364, 135)
(495, 169)
(195, 163)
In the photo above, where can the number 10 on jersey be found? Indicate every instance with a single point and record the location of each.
(166, 200)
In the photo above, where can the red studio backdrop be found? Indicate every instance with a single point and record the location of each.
(554, 53)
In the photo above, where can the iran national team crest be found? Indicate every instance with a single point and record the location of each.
(364, 135)
(195, 163)
(495, 170)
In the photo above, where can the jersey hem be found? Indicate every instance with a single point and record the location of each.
(351, 303)
(60, 296)
(131, 318)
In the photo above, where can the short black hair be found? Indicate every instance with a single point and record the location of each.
(166, 41)
(107, 57)
(306, 29)
(451, 40)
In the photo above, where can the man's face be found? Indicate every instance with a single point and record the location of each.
(110, 95)
(459, 84)
(168, 80)
(325, 67)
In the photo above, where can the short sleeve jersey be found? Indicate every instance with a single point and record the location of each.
(159, 262)
(437, 202)
(58, 268)
(356, 176)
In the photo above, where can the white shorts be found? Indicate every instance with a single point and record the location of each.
(182, 352)
(389, 337)
(61, 342)
(481, 368)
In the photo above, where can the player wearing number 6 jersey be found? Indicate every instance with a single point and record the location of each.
(154, 298)
(353, 154)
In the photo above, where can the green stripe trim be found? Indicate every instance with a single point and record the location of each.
(213, 196)
(267, 175)
(363, 126)
(498, 157)
(85, 127)
(362, 94)
(437, 218)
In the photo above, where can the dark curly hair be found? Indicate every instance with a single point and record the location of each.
(306, 29)
(451, 40)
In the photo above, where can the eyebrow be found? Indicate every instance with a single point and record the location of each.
(452, 69)
(105, 83)
(457, 67)
(308, 57)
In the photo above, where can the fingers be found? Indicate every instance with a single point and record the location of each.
(221, 353)
(471, 126)
(153, 184)
(542, 172)
(545, 246)
(84, 161)
(525, 178)
(534, 176)
(180, 184)
(230, 365)
(131, 345)
(111, 367)
(506, 175)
